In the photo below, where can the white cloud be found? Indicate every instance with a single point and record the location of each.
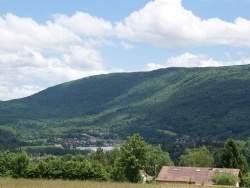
(85, 24)
(153, 66)
(35, 56)
(167, 24)
(16, 33)
(192, 60)
(83, 58)
(127, 46)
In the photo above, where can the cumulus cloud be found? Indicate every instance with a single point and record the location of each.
(85, 24)
(167, 24)
(35, 56)
(16, 33)
(192, 60)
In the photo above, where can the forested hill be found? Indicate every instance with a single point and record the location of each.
(172, 103)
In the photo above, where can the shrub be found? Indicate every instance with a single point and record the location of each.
(225, 179)
(245, 181)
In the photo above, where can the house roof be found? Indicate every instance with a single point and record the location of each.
(191, 174)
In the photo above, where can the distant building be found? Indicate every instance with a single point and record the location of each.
(193, 175)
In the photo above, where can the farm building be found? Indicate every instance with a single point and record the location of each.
(193, 175)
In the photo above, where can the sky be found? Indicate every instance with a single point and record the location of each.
(45, 43)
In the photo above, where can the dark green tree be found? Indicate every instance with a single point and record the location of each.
(112, 167)
(197, 157)
(245, 181)
(245, 149)
(231, 157)
(112, 156)
(8, 138)
(99, 156)
(19, 165)
(133, 158)
(5, 162)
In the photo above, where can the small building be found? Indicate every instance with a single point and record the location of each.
(193, 175)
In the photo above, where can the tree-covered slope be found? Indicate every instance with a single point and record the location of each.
(197, 103)
(8, 139)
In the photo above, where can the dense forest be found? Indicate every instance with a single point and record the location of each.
(173, 105)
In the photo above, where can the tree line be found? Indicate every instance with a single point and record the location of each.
(120, 164)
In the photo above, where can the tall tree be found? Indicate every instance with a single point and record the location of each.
(99, 156)
(244, 147)
(197, 157)
(231, 157)
(156, 158)
(133, 158)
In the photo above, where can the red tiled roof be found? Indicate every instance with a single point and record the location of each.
(191, 174)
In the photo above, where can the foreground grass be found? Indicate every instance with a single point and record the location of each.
(25, 183)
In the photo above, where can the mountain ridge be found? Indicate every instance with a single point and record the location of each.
(209, 103)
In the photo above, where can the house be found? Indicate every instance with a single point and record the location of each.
(193, 175)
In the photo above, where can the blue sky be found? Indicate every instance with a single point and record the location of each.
(44, 43)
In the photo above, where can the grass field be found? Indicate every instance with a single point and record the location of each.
(24, 183)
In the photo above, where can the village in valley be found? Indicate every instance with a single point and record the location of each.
(83, 141)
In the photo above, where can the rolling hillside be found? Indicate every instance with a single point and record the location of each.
(173, 104)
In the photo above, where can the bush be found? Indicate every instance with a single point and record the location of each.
(225, 179)
(245, 181)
